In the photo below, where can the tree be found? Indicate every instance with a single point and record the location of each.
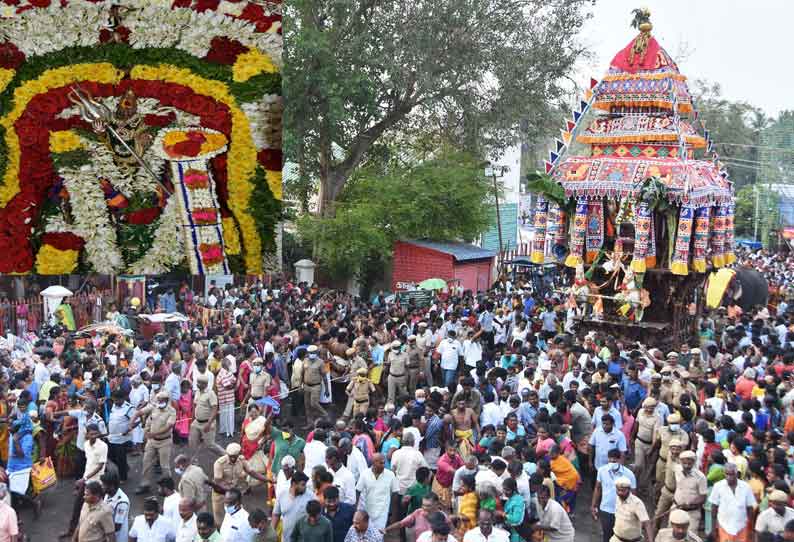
(442, 197)
(467, 69)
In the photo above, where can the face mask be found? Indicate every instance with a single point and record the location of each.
(155, 387)
(614, 467)
(179, 471)
(230, 509)
(162, 405)
(674, 427)
(420, 400)
(257, 370)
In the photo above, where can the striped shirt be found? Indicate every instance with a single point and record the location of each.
(225, 396)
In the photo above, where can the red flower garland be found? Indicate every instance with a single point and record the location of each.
(224, 50)
(63, 240)
(11, 57)
(143, 216)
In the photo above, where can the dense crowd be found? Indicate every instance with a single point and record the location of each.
(478, 418)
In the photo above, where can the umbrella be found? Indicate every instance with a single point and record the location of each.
(53, 295)
(167, 317)
(433, 284)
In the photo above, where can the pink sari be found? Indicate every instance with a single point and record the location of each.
(184, 414)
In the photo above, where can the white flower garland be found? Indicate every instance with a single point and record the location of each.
(151, 23)
(265, 117)
(92, 221)
(167, 250)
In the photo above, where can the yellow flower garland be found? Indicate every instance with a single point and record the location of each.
(241, 160)
(250, 64)
(64, 141)
(53, 261)
(5, 77)
(274, 182)
(54, 78)
(231, 237)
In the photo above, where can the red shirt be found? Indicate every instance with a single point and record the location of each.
(744, 388)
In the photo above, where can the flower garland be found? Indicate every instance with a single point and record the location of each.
(166, 250)
(53, 261)
(36, 69)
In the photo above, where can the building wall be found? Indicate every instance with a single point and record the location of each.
(475, 275)
(412, 263)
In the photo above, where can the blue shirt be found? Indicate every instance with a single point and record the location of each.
(26, 460)
(529, 304)
(34, 392)
(603, 442)
(341, 521)
(433, 429)
(508, 361)
(388, 445)
(633, 393)
(607, 477)
(520, 432)
(615, 413)
(527, 413)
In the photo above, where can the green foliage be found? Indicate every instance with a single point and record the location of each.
(540, 183)
(135, 239)
(467, 70)
(745, 212)
(640, 16)
(265, 210)
(441, 198)
(70, 159)
(654, 192)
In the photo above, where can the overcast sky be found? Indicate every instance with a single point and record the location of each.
(745, 46)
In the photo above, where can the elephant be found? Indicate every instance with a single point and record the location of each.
(747, 287)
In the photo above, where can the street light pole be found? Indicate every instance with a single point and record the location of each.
(493, 174)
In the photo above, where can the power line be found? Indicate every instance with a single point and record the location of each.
(754, 146)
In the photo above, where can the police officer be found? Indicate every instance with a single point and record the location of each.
(204, 425)
(631, 516)
(648, 423)
(679, 530)
(259, 381)
(230, 471)
(668, 487)
(359, 390)
(415, 357)
(159, 441)
(663, 437)
(313, 374)
(691, 488)
(398, 367)
(357, 362)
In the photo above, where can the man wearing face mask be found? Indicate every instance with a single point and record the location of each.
(771, 523)
(663, 437)
(691, 488)
(235, 526)
(158, 439)
(259, 381)
(229, 472)
(604, 495)
(204, 425)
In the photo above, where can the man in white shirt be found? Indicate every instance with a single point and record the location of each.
(405, 461)
(450, 351)
(235, 526)
(492, 476)
(41, 373)
(119, 503)
(353, 457)
(96, 454)
(343, 478)
(314, 452)
(491, 413)
(774, 519)
(732, 502)
(485, 531)
(151, 526)
(201, 369)
(377, 485)
(472, 349)
(186, 528)
(170, 499)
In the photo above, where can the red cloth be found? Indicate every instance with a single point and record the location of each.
(621, 60)
(249, 447)
(446, 469)
(744, 388)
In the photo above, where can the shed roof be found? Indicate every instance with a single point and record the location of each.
(462, 252)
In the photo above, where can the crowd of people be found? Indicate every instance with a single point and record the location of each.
(479, 418)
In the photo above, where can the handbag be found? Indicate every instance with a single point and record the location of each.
(42, 475)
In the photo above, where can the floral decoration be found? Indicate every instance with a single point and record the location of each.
(208, 67)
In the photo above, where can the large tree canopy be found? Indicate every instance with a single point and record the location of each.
(441, 197)
(468, 69)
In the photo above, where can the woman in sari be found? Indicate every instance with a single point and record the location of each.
(567, 478)
(251, 442)
(243, 378)
(184, 412)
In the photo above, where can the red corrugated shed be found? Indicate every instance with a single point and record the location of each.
(415, 261)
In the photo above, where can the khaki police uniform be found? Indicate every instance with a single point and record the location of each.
(629, 517)
(665, 502)
(192, 486)
(664, 435)
(96, 523)
(688, 489)
(357, 362)
(359, 391)
(647, 426)
(414, 366)
(160, 420)
(666, 535)
(312, 381)
(259, 383)
(203, 429)
(229, 475)
(398, 373)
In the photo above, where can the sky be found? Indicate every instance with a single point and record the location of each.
(744, 46)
